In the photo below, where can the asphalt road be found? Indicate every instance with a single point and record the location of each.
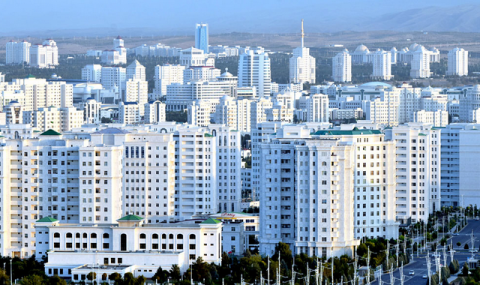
(419, 264)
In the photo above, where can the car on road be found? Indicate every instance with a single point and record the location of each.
(425, 276)
(455, 234)
(412, 272)
(436, 255)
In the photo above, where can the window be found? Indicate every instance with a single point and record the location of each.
(179, 236)
(56, 235)
(192, 236)
(69, 235)
(143, 236)
(192, 246)
(93, 235)
(105, 235)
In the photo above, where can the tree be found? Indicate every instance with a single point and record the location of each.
(466, 246)
(465, 269)
(459, 243)
(4, 279)
(104, 277)
(114, 276)
(161, 275)
(175, 273)
(92, 276)
(362, 250)
(106, 120)
(32, 280)
(55, 280)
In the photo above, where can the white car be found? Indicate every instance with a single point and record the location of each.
(412, 272)
(425, 276)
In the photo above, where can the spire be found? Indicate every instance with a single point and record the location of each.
(303, 34)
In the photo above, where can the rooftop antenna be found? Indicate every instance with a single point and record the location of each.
(303, 34)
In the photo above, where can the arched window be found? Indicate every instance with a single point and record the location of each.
(105, 235)
(324, 163)
(56, 235)
(77, 235)
(192, 236)
(85, 235)
(164, 236)
(69, 235)
(170, 236)
(123, 242)
(179, 236)
(143, 236)
(93, 235)
(155, 236)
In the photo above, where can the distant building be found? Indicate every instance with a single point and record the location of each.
(44, 55)
(164, 76)
(382, 65)
(92, 73)
(18, 52)
(201, 37)
(302, 64)
(155, 112)
(254, 70)
(420, 63)
(458, 62)
(342, 67)
(136, 71)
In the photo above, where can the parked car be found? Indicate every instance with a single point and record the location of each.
(425, 276)
(412, 272)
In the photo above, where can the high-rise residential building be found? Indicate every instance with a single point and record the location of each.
(420, 63)
(200, 73)
(234, 113)
(254, 70)
(258, 112)
(458, 62)
(137, 91)
(164, 76)
(113, 77)
(470, 105)
(18, 52)
(201, 37)
(418, 171)
(13, 113)
(302, 64)
(438, 119)
(129, 113)
(92, 111)
(92, 73)
(382, 65)
(279, 113)
(317, 108)
(342, 67)
(118, 45)
(155, 112)
(199, 113)
(54, 118)
(179, 96)
(394, 53)
(341, 193)
(44, 55)
(136, 71)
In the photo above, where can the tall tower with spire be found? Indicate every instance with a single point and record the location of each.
(302, 65)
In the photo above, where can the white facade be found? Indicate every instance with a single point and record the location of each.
(44, 55)
(234, 113)
(302, 65)
(53, 118)
(195, 57)
(342, 67)
(112, 77)
(437, 119)
(17, 52)
(254, 70)
(92, 73)
(317, 108)
(198, 113)
(164, 76)
(136, 71)
(382, 65)
(470, 105)
(200, 73)
(418, 171)
(92, 112)
(129, 113)
(137, 91)
(420, 63)
(458, 62)
(155, 112)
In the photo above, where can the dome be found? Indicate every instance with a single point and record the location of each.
(361, 48)
(413, 46)
(227, 74)
(375, 84)
(393, 49)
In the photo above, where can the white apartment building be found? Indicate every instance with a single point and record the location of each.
(136, 71)
(418, 171)
(437, 119)
(129, 113)
(279, 113)
(195, 57)
(234, 113)
(200, 73)
(302, 64)
(155, 112)
(92, 112)
(334, 185)
(458, 62)
(470, 105)
(199, 113)
(17, 52)
(342, 114)
(164, 76)
(384, 111)
(92, 73)
(137, 91)
(382, 65)
(127, 245)
(258, 112)
(112, 77)
(420, 63)
(12, 114)
(342, 67)
(54, 118)
(317, 108)
(112, 57)
(254, 70)
(179, 96)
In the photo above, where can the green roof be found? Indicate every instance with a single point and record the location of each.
(50, 133)
(131, 218)
(29, 76)
(207, 135)
(422, 134)
(347, 133)
(47, 220)
(211, 221)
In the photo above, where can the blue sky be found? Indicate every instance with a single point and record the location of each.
(179, 16)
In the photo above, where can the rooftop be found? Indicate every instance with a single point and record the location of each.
(51, 133)
(131, 218)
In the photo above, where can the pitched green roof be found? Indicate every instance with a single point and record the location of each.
(47, 220)
(347, 133)
(211, 221)
(50, 133)
(131, 218)
(207, 135)
(29, 76)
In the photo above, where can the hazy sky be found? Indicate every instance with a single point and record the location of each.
(180, 15)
